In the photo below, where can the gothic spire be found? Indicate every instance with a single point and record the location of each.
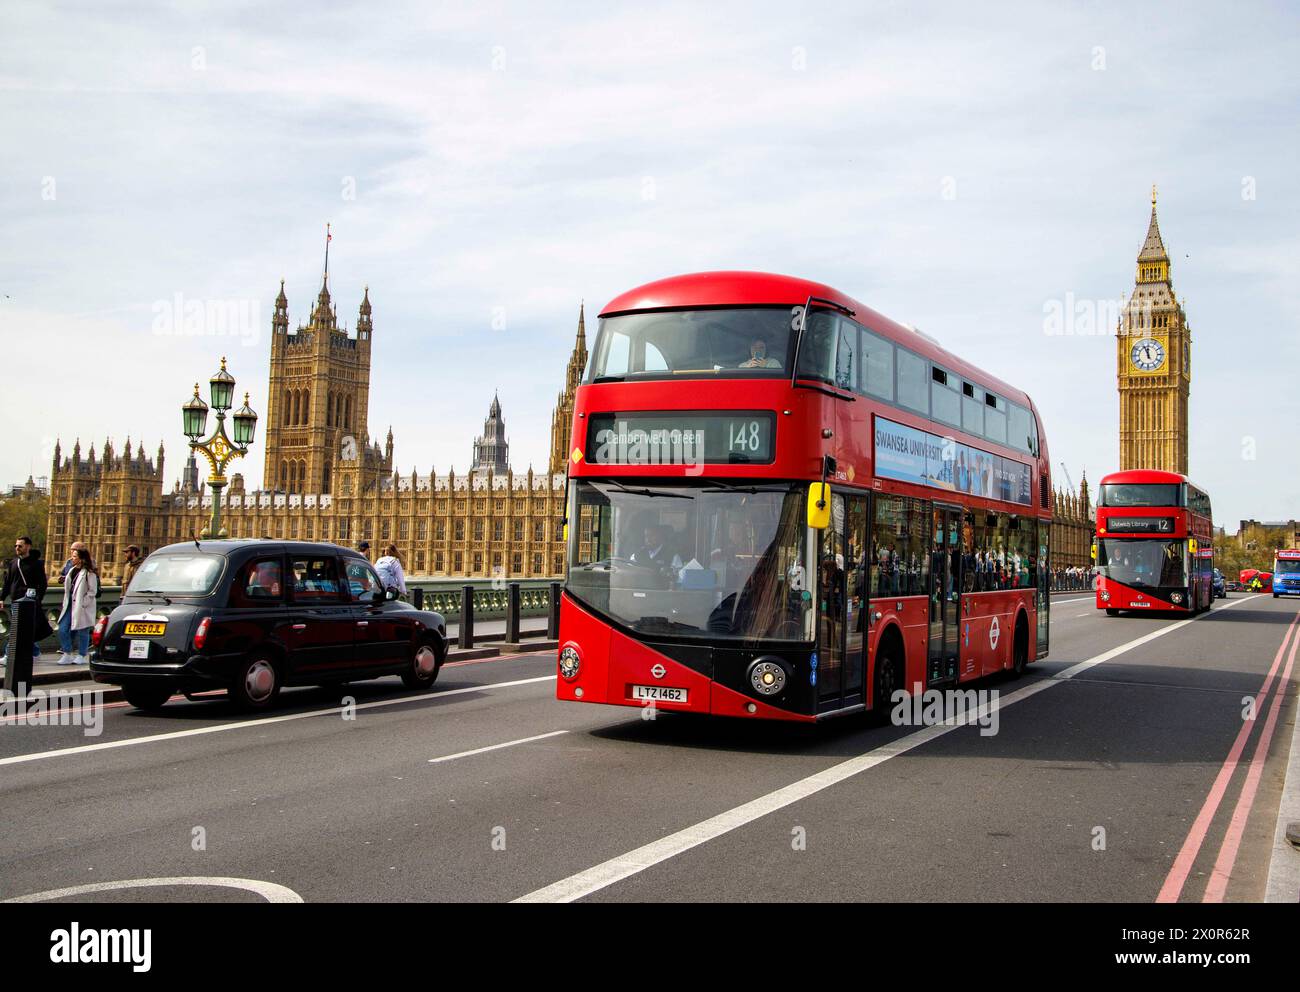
(1153, 249)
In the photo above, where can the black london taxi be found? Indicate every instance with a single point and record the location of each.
(252, 616)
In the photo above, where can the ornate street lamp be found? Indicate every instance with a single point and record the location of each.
(219, 449)
(245, 424)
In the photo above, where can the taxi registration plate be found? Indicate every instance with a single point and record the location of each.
(144, 628)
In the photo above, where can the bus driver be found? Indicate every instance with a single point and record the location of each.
(758, 357)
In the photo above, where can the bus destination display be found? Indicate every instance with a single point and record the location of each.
(681, 438)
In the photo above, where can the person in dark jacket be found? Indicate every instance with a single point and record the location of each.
(132, 564)
(24, 576)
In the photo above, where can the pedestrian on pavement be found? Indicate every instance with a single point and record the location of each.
(78, 614)
(25, 578)
(390, 571)
(364, 548)
(71, 560)
(133, 560)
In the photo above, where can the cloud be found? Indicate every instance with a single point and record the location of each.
(516, 159)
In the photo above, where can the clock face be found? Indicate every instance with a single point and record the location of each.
(1148, 355)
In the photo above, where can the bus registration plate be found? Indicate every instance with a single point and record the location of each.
(659, 693)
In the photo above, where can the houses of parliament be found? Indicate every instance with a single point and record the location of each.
(327, 480)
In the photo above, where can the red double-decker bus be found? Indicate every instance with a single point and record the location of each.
(783, 504)
(1154, 545)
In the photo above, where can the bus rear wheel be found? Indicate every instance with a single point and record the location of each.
(1020, 649)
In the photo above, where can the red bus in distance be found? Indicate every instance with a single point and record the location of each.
(1154, 547)
(784, 505)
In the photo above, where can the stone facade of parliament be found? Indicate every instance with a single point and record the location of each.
(328, 481)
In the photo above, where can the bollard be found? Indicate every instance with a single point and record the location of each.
(466, 638)
(553, 615)
(22, 629)
(512, 614)
(419, 599)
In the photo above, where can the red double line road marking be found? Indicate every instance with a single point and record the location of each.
(1218, 883)
(1182, 866)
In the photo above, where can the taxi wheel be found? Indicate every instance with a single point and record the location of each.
(422, 672)
(257, 683)
(146, 697)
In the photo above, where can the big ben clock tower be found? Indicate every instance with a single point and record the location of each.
(1154, 355)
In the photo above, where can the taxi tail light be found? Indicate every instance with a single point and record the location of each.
(97, 635)
(201, 634)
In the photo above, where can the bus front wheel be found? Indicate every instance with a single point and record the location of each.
(889, 673)
(1111, 612)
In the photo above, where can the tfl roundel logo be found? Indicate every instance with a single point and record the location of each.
(658, 671)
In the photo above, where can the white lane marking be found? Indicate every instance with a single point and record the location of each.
(1084, 615)
(1092, 662)
(616, 869)
(603, 875)
(496, 747)
(1077, 599)
(19, 759)
(267, 890)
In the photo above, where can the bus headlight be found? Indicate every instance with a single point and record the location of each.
(1176, 597)
(1105, 596)
(768, 675)
(570, 663)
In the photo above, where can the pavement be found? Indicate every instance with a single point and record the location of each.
(1121, 770)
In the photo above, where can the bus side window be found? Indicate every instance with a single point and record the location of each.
(846, 356)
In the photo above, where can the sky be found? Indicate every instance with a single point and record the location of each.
(965, 168)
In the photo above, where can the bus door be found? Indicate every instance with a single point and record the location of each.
(1043, 593)
(841, 594)
(831, 610)
(945, 593)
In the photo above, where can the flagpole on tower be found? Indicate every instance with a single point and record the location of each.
(328, 238)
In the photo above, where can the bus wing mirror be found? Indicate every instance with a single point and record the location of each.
(819, 505)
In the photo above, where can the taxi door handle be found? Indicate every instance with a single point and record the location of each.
(300, 626)
(363, 623)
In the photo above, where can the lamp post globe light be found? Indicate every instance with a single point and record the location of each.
(219, 449)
